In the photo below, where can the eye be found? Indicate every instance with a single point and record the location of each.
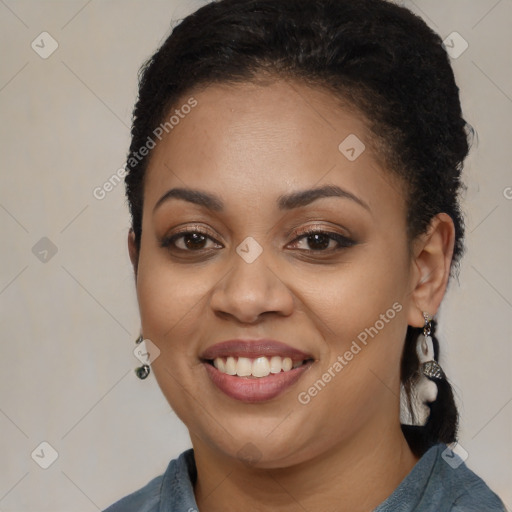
(191, 240)
(318, 240)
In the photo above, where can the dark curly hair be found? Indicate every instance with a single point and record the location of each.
(375, 56)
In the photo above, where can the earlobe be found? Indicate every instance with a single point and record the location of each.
(133, 251)
(433, 254)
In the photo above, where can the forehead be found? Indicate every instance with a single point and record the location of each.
(260, 140)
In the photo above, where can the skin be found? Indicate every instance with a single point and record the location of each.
(250, 144)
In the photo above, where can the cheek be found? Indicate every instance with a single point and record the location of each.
(360, 311)
(170, 299)
(355, 296)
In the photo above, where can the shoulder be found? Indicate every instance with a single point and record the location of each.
(170, 491)
(146, 499)
(441, 482)
(462, 488)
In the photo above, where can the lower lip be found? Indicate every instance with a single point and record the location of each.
(250, 389)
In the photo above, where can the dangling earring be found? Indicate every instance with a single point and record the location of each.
(429, 366)
(142, 371)
(425, 389)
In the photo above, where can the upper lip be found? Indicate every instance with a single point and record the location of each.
(253, 349)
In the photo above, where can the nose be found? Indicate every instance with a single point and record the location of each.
(251, 291)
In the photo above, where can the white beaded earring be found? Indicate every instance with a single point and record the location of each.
(425, 390)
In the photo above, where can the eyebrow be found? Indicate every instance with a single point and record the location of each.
(284, 202)
(305, 197)
(192, 196)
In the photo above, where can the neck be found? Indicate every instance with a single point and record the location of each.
(352, 476)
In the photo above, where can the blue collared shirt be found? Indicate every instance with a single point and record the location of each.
(439, 482)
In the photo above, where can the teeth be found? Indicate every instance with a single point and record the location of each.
(230, 366)
(259, 367)
(220, 364)
(287, 364)
(243, 367)
(275, 364)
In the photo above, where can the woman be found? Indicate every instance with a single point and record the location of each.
(293, 181)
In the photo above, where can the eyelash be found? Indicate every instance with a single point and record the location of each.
(343, 241)
(169, 241)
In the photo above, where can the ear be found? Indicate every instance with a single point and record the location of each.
(432, 257)
(133, 251)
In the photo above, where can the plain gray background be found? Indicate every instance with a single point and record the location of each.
(69, 318)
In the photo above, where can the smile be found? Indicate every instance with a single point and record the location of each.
(254, 370)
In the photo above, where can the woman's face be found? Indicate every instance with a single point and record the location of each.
(252, 170)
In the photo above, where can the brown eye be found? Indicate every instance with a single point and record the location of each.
(194, 241)
(314, 240)
(318, 241)
(190, 241)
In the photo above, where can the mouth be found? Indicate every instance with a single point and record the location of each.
(254, 371)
